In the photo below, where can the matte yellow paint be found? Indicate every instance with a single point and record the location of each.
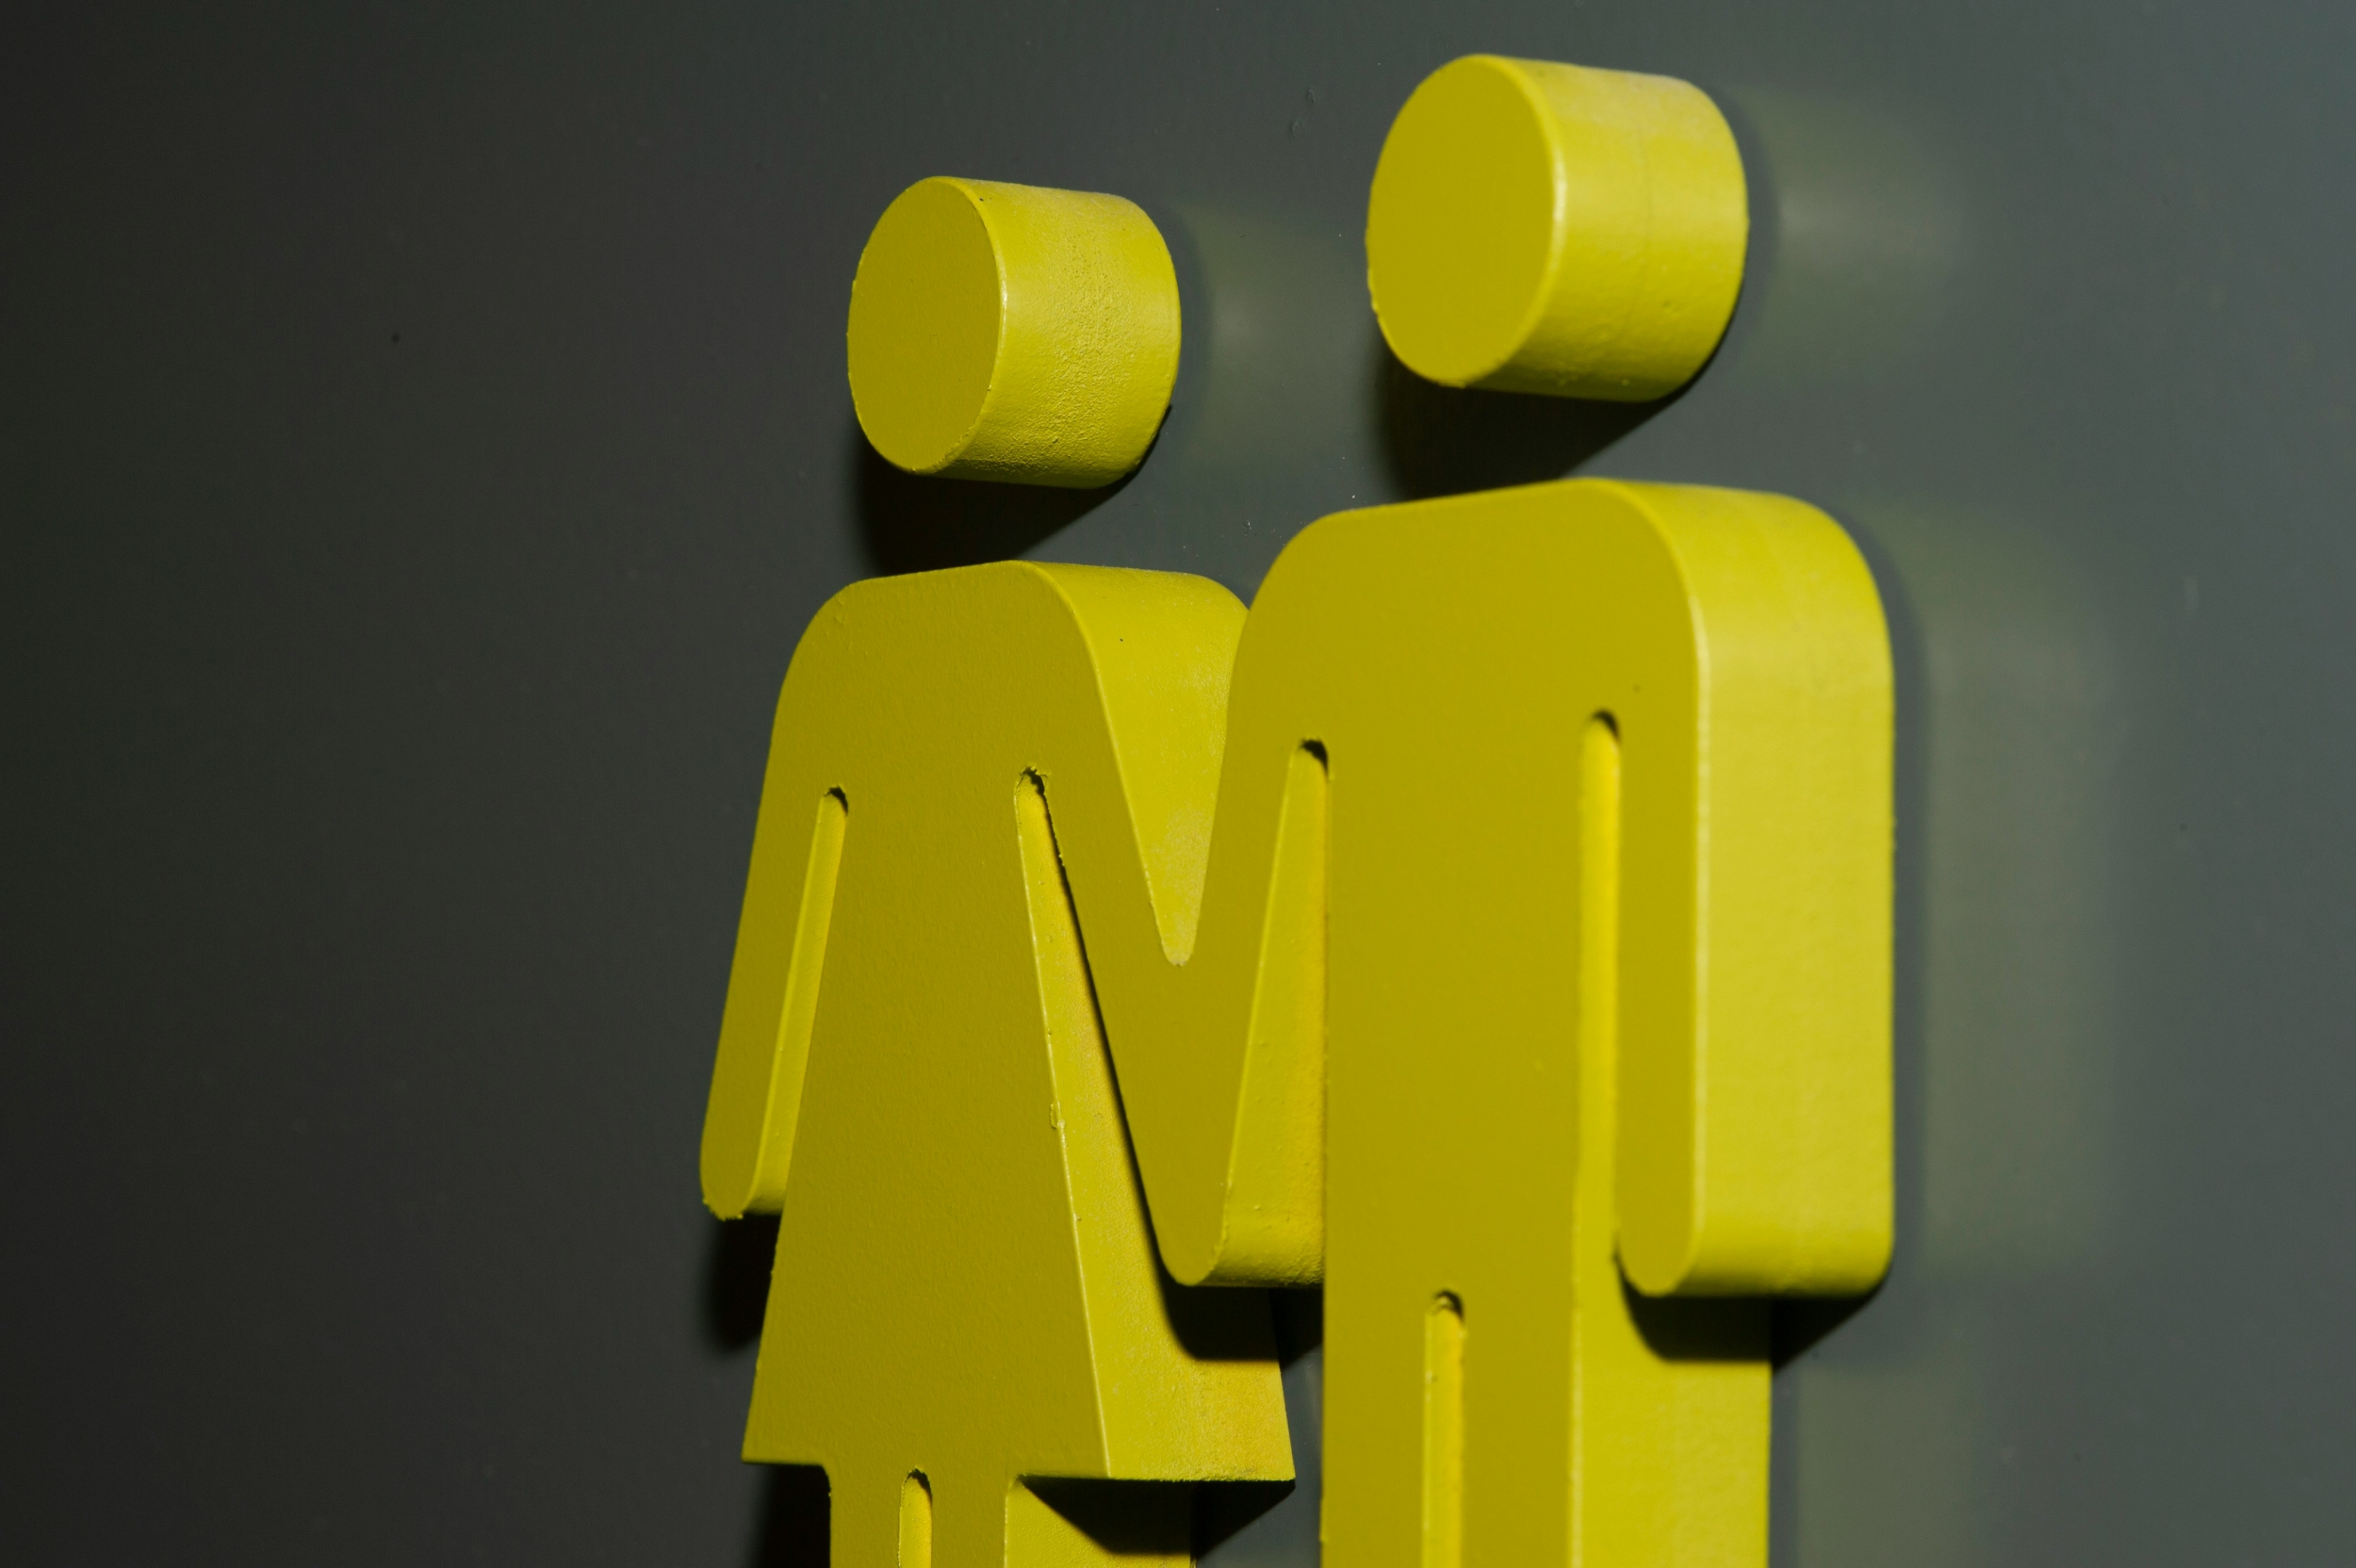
(966, 1289)
(1011, 332)
(757, 1093)
(1537, 227)
(1552, 838)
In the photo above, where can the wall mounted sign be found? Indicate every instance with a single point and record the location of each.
(1492, 925)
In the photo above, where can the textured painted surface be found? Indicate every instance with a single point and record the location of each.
(425, 440)
(1011, 333)
(1535, 226)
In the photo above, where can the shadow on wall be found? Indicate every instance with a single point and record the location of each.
(1450, 441)
(911, 523)
(794, 1527)
(794, 1518)
(736, 1280)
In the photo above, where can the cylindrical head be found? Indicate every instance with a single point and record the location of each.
(1536, 227)
(1008, 332)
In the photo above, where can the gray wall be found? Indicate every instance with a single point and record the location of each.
(423, 435)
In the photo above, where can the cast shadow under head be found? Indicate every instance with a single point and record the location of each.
(1779, 1330)
(913, 523)
(1434, 441)
(1450, 441)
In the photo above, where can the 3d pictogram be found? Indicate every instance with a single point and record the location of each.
(1491, 926)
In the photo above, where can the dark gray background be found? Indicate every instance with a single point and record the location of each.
(423, 435)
